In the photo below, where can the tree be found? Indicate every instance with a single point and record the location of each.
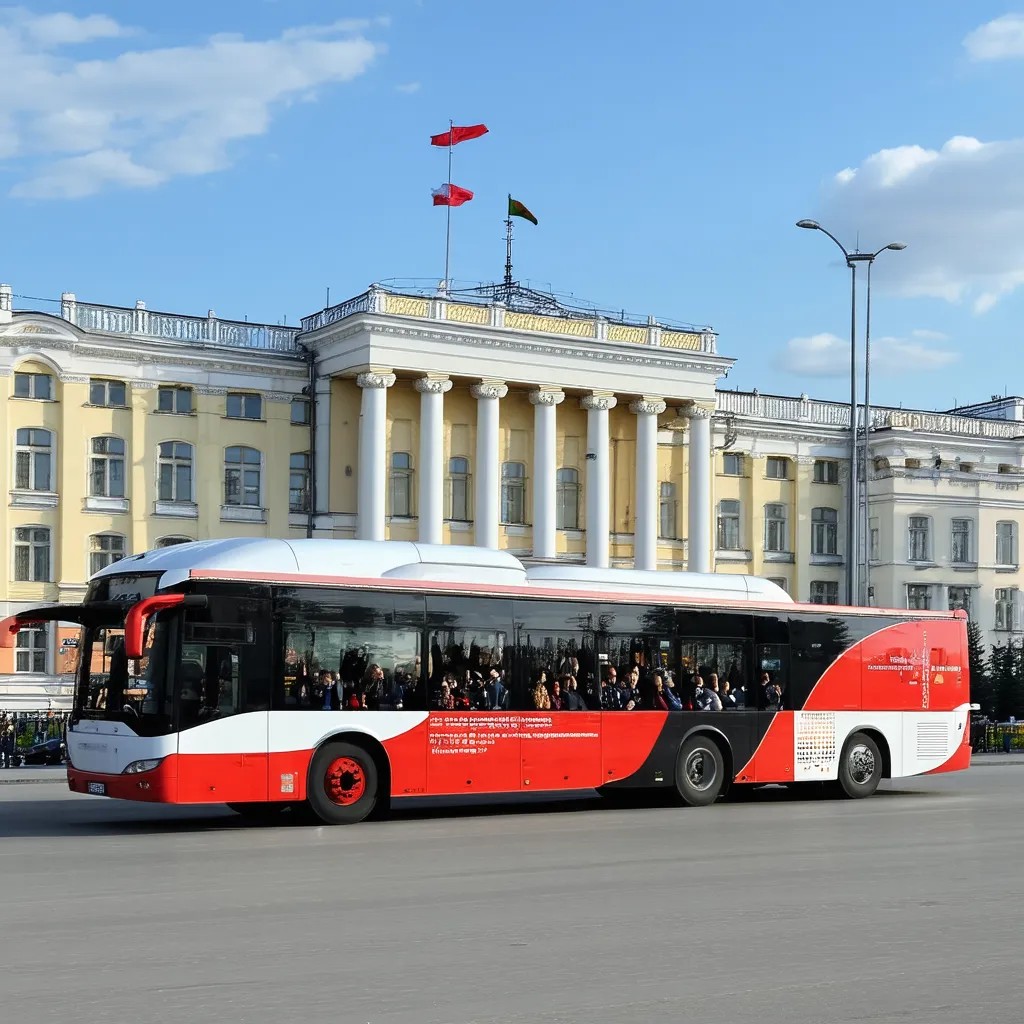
(977, 663)
(1006, 673)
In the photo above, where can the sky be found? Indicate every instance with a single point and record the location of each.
(246, 156)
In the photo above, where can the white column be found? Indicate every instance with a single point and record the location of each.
(322, 469)
(699, 497)
(598, 478)
(544, 470)
(431, 468)
(645, 536)
(487, 498)
(373, 468)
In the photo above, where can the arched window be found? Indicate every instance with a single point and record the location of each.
(400, 485)
(667, 511)
(32, 554)
(513, 493)
(298, 482)
(242, 476)
(104, 550)
(824, 532)
(567, 499)
(33, 459)
(459, 506)
(106, 467)
(170, 542)
(174, 471)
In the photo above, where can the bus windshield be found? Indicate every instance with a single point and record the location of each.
(137, 691)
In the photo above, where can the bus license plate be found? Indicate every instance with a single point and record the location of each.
(97, 788)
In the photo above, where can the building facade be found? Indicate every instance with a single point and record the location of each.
(552, 433)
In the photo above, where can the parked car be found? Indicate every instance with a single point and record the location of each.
(48, 752)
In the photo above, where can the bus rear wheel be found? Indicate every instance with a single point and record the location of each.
(343, 784)
(860, 767)
(700, 771)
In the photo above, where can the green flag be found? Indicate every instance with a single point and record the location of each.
(516, 209)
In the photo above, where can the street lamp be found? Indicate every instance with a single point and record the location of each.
(852, 516)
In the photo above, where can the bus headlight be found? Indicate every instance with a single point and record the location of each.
(136, 767)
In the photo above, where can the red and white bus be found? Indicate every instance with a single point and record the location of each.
(338, 674)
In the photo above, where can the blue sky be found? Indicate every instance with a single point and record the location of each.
(246, 155)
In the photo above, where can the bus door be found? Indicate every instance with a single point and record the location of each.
(223, 684)
(771, 692)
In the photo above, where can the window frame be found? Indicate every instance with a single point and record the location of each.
(33, 377)
(239, 469)
(34, 453)
(780, 543)
(825, 588)
(922, 530)
(175, 390)
(244, 399)
(108, 384)
(824, 532)
(32, 650)
(304, 474)
(307, 417)
(401, 492)
(1012, 540)
(779, 462)
(968, 540)
(829, 471)
(98, 550)
(727, 522)
(919, 597)
(31, 545)
(174, 463)
(513, 490)
(739, 463)
(668, 511)
(462, 477)
(107, 459)
(567, 498)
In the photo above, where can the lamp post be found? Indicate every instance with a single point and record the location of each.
(853, 596)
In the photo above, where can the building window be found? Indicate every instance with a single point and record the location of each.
(873, 540)
(400, 485)
(32, 554)
(106, 468)
(826, 471)
(780, 581)
(170, 542)
(728, 525)
(961, 540)
(300, 412)
(242, 476)
(1006, 611)
(104, 550)
(33, 459)
(109, 393)
(919, 597)
(824, 592)
(567, 499)
(458, 490)
(776, 468)
(776, 532)
(174, 471)
(919, 540)
(298, 482)
(667, 511)
(824, 532)
(513, 493)
(33, 385)
(1006, 542)
(732, 464)
(174, 400)
(30, 650)
(241, 406)
(960, 598)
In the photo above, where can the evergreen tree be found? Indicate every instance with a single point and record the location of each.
(977, 663)
(1006, 674)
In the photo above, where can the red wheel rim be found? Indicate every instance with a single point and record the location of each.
(344, 781)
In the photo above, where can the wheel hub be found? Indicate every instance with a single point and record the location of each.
(344, 781)
(700, 770)
(862, 764)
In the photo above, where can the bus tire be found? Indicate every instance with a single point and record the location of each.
(700, 771)
(343, 783)
(860, 767)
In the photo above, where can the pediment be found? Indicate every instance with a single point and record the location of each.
(38, 329)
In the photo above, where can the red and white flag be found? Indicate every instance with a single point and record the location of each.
(458, 134)
(451, 195)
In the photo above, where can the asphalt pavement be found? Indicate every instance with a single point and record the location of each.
(903, 908)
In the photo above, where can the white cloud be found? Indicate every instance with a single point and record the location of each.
(71, 127)
(959, 208)
(998, 39)
(828, 355)
(408, 87)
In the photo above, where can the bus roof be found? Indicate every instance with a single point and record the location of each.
(445, 564)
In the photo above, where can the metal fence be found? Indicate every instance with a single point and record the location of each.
(990, 737)
(33, 728)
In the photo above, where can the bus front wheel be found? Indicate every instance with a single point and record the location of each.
(343, 784)
(860, 767)
(700, 771)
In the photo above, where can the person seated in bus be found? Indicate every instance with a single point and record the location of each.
(372, 687)
(704, 698)
(572, 699)
(654, 692)
(672, 698)
(325, 692)
(631, 696)
(712, 685)
(539, 696)
(557, 701)
(728, 698)
(495, 690)
(772, 693)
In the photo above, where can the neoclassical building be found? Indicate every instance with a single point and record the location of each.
(503, 420)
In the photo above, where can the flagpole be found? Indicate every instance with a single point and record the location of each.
(448, 218)
(508, 246)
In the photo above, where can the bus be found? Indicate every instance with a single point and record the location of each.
(335, 675)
